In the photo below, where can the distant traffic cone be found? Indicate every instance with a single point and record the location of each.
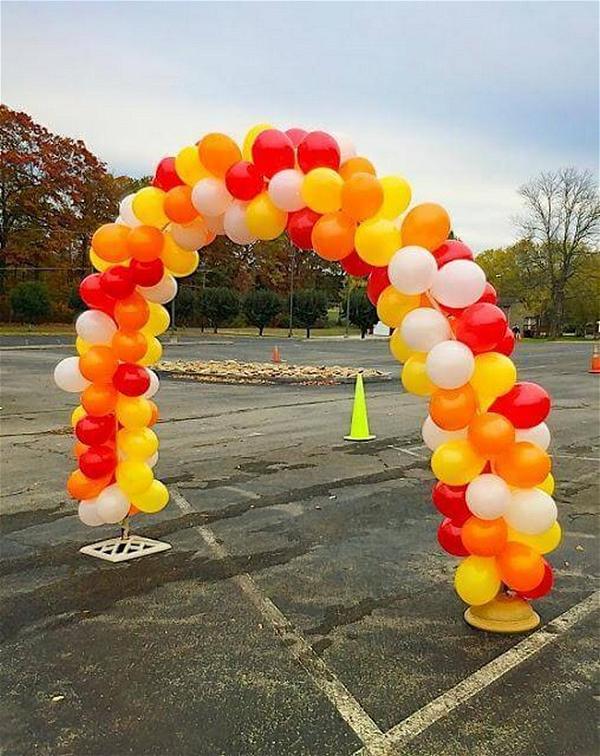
(359, 429)
(595, 361)
(275, 356)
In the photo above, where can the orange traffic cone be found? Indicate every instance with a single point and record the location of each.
(275, 356)
(595, 361)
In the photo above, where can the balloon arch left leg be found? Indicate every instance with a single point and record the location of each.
(486, 430)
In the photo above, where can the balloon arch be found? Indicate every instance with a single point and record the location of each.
(485, 429)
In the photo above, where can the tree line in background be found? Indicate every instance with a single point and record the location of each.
(54, 193)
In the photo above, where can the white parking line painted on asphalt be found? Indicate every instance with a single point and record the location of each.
(440, 707)
(324, 678)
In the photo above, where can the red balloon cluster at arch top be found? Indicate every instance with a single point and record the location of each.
(486, 430)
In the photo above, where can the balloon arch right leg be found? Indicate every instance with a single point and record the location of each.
(486, 430)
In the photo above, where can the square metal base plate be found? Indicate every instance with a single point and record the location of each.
(123, 549)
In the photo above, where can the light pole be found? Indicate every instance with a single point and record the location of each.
(291, 305)
(348, 282)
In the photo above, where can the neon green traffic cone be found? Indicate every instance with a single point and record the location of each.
(359, 429)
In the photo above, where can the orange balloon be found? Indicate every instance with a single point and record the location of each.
(99, 399)
(129, 346)
(491, 433)
(98, 364)
(110, 242)
(356, 165)
(425, 301)
(333, 236)
(484, 537)
(521, 567)
(178, 205)
(132, 313)
(145, 243)
(523, 465)
(80, 486)
(362, 196)
(133, 510)
(426, 225)
(154, 417)
(453, 409)
(218, 153)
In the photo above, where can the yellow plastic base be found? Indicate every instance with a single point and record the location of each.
(504, 614)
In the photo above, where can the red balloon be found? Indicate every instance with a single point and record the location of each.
(117, 281)
(244, 181)
(481, 326)
(451, 502)
(300, 225)
(296, 135)
(452, 249)
(131, 379)
(489, 294)
(449, 538)
(543, 588)
(94, 295)
(506, 344)
(354, 265)
(317, 150)
(98, 461)
(272, 151)
(147, 273)
(93, 431)
(378, 281)
(165, 176)
(525, 405)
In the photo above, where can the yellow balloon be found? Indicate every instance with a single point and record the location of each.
(178, 261)
(477, 580)
(376, 240)
(153, 499)
(158, 320)
(81, 345)
(543, 543)
(456, 463)
(148, 206)
(264, 220)
(188, 165)
(133, 411)
(396, 197)
(547, 484)
(322, 190)
(78, 414)
(139, 443)
(153, 352)
(101, 265)
(414, 378)
(250, 137)
(398, 347)
(133, 476)
(494, 375)
(392, 306)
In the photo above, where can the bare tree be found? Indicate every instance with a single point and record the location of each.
(562, 221)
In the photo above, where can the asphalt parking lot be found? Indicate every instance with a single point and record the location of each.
(305, 607)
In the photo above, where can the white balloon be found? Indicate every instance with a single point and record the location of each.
(162, 292)
(284, 190)
(151, 461)
(126, 212)
(450, 364)
(215, 224)
(88, 513)
(154, 384)
(192, 235)
(346, 145)
(412, 269)
(435, 436)
(539, 434)
(423, 328)
(459, 283)
(234, 223)
(210, 196)
(95, 327)
(531, 511)
(67, 376)
(112, 504)
(488, 496)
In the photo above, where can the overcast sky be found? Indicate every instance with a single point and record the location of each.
(467, 100)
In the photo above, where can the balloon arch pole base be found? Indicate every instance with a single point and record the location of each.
(125, 547)
(504, 614)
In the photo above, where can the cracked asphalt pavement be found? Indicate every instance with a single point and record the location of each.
(167, 655)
